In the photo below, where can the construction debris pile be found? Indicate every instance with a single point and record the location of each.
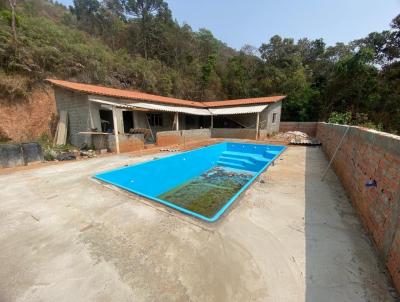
(298, 138)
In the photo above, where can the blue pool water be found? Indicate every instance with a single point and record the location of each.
(202, 182)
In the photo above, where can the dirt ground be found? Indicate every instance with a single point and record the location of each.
(28, 118)
(289, 237)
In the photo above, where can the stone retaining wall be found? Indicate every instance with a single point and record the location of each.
(367, 158)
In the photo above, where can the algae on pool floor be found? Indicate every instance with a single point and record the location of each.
(209, 192)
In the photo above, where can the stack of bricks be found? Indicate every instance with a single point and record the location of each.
(368, 165)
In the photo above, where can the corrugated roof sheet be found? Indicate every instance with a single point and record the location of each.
(182, 109)
(237, 110)
(157, 107)
(136, 95)
(119, 105)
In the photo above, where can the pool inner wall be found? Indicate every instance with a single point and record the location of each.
(153, 178)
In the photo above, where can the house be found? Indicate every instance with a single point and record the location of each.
(96, 114)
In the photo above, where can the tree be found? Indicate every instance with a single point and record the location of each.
(112, 23)
(87, 14)
(146, 10)
(13, 4)
(136, 44)
(241, 75)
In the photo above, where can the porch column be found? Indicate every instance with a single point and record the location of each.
(115, 129)
(212, 122)
(258, 125)
(177, 120)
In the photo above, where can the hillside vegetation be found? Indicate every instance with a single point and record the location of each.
(137, 44)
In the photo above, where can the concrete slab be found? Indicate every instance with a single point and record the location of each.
(290, 237)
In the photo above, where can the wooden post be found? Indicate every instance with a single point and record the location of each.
(115, 129)
(177, 120)
(212, 122)
(258, 125)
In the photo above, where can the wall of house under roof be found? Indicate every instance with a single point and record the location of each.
(266, 117)
(139, 121)
(249, 120)
(77, 106)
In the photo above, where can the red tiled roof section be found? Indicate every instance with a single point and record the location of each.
(261, 100)
(124, 94)
(136, 95)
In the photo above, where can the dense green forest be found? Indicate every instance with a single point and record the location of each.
(137, 44)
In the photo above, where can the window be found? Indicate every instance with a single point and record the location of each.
(155, 119)
(273, 118)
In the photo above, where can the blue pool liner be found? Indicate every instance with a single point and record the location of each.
(152, 178)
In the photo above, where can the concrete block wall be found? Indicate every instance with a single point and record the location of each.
(196, 135)
(239, 133)
(249, 120)
(127, 143)
(267, 114)
(79, 118)
(307, 127)
(167, 138)
(370, 156)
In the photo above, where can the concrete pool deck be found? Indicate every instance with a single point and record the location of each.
(289, 237)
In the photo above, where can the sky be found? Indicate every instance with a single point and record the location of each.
(238, 22)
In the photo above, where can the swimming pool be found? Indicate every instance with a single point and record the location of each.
(203, 182)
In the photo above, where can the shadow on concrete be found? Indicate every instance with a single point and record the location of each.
(341, 264)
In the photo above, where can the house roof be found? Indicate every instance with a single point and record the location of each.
(261, 100)
(121, 93)
(154, 106)
(136, 95)
(237, 109)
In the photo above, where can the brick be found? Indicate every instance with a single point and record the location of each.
(364, 155)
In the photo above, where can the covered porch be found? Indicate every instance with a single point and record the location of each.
(162, 124)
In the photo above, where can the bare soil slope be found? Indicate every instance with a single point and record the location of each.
(27, 118)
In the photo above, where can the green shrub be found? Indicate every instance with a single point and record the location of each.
(343, 118)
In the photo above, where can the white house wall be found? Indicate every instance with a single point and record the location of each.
(271, 109)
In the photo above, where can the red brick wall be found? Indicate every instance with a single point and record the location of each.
(127, 143)
(307, 127)
(131, 145)
(368, 155)
(168, 138)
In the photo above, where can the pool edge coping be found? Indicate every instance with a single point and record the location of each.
(221, 211)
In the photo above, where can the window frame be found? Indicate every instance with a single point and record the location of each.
(274, 116)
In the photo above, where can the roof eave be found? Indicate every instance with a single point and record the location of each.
(172, 101)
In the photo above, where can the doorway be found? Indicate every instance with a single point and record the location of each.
(127, 117)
